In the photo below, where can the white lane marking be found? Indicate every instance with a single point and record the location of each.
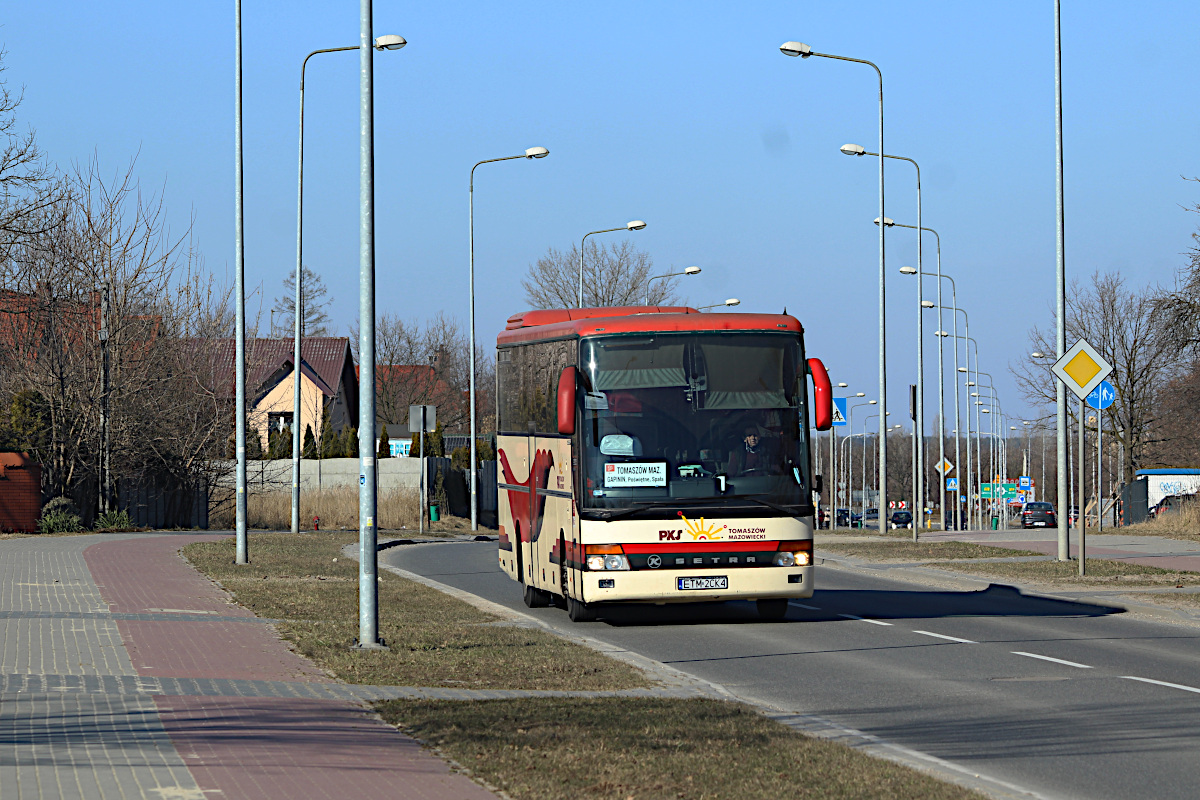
(801, 605)
(1048, 658)
(864, 619)
(1162, 683)
(944, 636)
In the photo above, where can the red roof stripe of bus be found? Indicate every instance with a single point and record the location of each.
(701, 547)
(537, 325)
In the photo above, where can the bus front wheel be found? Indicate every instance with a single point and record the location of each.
(580, 612)
(775, 608)
(536, 598)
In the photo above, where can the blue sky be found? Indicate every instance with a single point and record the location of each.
(684, 115)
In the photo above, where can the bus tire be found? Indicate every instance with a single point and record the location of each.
(536, 598)
(775, 608)
(580, 612)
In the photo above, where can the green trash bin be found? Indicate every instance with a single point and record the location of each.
(434, 514)
(995, 523)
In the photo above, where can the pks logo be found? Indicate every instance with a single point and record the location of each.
(701, 530)
(673, 536)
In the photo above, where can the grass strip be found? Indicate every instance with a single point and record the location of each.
(921, 551)
(1099, 571)
(547, 749)
(433, 639)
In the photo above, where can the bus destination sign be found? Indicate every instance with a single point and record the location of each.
(638, 473)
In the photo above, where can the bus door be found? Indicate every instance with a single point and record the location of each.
(553, 517)
(513, 501)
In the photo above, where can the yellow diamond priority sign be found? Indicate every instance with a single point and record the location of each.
(1082, 368)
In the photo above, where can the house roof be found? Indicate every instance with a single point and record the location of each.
(322, 359)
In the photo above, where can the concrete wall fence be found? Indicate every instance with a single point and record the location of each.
(324, 473)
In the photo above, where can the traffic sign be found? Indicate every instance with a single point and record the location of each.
(1082, 368)
(1023, 483)
(944, 466)
(839, 411)
(951, 484)
(997, 491)
(1103, 396)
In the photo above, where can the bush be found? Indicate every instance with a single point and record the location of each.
(461, 457)
(114, 521)
(60, 516)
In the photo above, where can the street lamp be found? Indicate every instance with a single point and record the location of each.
(686, 271)
(850, 459)
(919, 410)
(733, 301)
(387, 42)
(529, 154)
(632, 225)
(799, 49)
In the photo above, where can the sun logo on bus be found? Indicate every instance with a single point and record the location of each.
(700, 530)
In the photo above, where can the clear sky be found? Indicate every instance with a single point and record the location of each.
(682, 114)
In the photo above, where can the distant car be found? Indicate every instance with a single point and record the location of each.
(1038, 515)
(1073, 516)
(1170, 504)
(901, 519)
(843, 517)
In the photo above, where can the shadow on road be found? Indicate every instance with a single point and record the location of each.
(829, 605)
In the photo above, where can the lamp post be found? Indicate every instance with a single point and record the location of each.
(1060, 296)
(967, 340)
(686, 271)
(833, 465)
(850, 462)
(388, 42)
(733, 301)
(239, 302)
(530, 154)
(941, 367)
(632, 225)
(801, 50)
(919, 410)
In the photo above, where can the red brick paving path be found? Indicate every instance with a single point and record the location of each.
(253, 748)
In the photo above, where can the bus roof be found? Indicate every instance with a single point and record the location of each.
(531, 326)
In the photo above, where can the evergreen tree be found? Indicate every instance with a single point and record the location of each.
(331, 447)
(414, 448)
(435, 446)
(309, 450)
(349, 442)
(385, 449)
(254, 448)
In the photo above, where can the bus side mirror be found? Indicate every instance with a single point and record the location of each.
(822, 394)
(566, 401)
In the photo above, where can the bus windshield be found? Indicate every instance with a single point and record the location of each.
(673, 419)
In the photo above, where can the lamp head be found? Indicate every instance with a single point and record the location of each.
(733, 301)
(927, 304)
(887, 223)
(843, 385)
(537, 152)
(861, 394)
(635, 225)
(691, 271)
(853, 149)
(905, 270)
(962, 369)
(389, 42)
(941, 333)
(872, 402)
(1038, 355)
(794, 49)
(983, 410)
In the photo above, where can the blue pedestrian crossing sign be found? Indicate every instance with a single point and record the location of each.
(839, 411)
(951, 484)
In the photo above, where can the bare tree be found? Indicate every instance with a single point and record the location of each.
(314, 302)
(617, 275)
(427, 363)
(1129, 328)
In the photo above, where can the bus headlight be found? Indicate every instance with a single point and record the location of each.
(602, 557)
(794, 554)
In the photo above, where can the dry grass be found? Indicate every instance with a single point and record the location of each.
(1066, 573)
(547, 749)
(271, 509)
(920, 551)
(433, 639)
(1181, 524)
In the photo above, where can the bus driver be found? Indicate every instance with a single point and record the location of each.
(753, 457)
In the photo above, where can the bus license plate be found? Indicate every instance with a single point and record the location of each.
(718, 582)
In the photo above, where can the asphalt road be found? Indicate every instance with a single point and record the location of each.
(1060, 698)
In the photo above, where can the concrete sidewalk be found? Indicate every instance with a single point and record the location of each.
(124, 673)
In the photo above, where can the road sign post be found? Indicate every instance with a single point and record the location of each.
(1082, 369)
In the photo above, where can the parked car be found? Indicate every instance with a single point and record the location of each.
(901, 519)
(1038, 515)
(1170, 504)
(843, 517)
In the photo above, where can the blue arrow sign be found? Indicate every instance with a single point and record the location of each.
(839, 411)
(1103, 396)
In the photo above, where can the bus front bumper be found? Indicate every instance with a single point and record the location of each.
(663, 585)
